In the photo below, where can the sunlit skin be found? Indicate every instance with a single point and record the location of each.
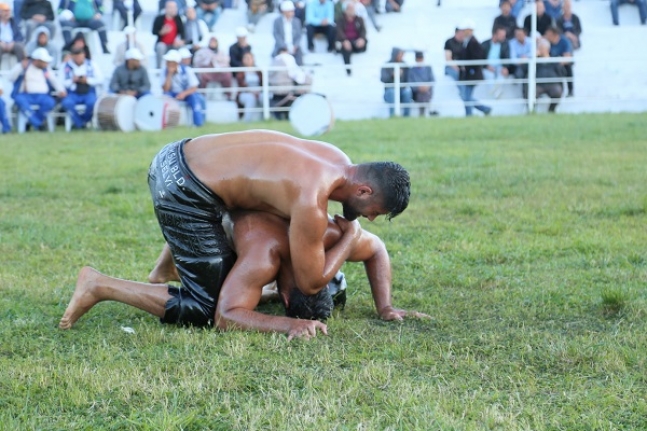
(261, 243)
(293, 179)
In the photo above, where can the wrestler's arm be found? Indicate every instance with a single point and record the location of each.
(314, 267)
(371, 250)
(241, 293)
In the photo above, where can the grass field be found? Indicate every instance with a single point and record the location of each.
(525, 240)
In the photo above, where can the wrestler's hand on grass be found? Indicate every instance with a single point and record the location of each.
(306, 329)
(390, 313)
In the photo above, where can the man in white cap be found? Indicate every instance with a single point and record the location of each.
(238, 49)
(288, 31)
(33, 82)
(472, 50)
(181, 83)
(131, 42)
(131, 78)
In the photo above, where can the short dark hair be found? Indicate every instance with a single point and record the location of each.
(310, 307)
(391, 181)
(553, 29)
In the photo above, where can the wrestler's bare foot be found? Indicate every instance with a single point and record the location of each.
(163, 274)
(84, 297)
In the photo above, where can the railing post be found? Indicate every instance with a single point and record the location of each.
(532, 65)
(396, 89)
(266, 94)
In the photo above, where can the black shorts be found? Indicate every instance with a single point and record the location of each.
(190, 216)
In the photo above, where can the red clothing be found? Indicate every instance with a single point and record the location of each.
(350, 30)
(169, 37)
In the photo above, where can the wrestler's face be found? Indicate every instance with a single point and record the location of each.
(362, 207)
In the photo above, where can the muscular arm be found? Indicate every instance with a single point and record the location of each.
(314, 268)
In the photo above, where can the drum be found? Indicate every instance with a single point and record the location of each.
(156, 113)
(116, 112)
(311, 114)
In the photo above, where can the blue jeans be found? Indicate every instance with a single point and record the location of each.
(45, 103)
(72, 99)
(516, 8)
(209, 17)
(454, 74)
(6, 125)
(406, 96)
(471, 102)
(642, 10)
(198, 106)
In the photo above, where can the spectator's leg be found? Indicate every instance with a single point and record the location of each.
(160, 50)
(89, 100)
(642, 10)
(197, 104)
(99, 26)
(18, 50)
(346, 49)
(66, 29)
(516, 8)
(370, 11)
(310, 33)
(554, 91)
(137, 11)
(406, 96)
(24, 102)
(614, 12)
(123, 12)
(17, 7)
(6, 125)
(248, 101)
(331, 34)
(69, 104)
(389, 97)
(467, 99)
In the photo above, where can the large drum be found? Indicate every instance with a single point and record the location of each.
(116, 112)
(311, 114)
(156, 113)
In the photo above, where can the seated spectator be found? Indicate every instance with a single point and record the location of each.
(239, 48)
(33, 83)
(506, 20)
(300, 11)
(11, 40)
(249, 91)
(570, 26)
(130, 42)
(543, 20)
(209, 57)
(520, 48)
(642, 9)
(81, 77)
(83, 14)
(560, 46)
(423, 74)
(387, 76)
(195, 30)
(169, 29)
(4, 118)
(393, 5)
(182, 6)
(515, 7)
(209, 12)
(77, 42)
(320, 18)
(472, 51)
(351, 34)
(120, 6)
(288, 82)
(495, 50)
(553, 8)
(288, 31)
(256, 9)
(37, 13)
(41, 39)
(181, 83)
(547, 71)
(131, 78)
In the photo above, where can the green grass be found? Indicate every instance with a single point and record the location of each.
(525, 240)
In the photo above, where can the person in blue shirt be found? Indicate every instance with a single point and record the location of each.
(423, 74)
(320, 18)
(181, 83)
(560, 46)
